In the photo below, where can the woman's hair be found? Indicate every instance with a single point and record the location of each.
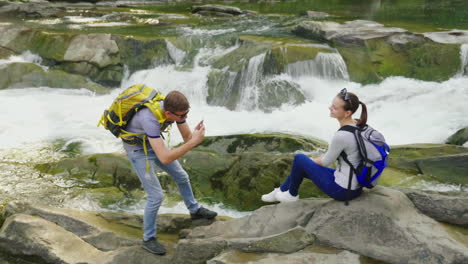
(351, 103)
(175, 101)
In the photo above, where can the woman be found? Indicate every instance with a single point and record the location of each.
(332, 182)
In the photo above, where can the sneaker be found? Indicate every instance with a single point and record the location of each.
(286, 197)
(270, 197)
(153, 246)
(203, 213)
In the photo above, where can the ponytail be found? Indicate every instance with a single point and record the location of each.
(362, 121)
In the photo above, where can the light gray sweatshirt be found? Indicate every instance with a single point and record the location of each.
(343, 140)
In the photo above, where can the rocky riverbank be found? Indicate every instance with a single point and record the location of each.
(385, 224)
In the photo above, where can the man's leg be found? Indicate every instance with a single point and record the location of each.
(181, 177)
(152, 188)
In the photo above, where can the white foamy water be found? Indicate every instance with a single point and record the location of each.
(25, 57)
(404, 110)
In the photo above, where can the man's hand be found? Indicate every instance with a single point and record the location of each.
(198, 133)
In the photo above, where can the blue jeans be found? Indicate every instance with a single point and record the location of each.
(323, 177)
(153, 188)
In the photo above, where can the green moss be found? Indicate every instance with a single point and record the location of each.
(459, 138)
(377, 60)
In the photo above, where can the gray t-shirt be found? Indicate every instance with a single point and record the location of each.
(145, 122)
(343, 141)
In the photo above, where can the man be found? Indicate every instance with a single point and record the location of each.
(175, 107)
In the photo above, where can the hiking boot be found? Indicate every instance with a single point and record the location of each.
(286, 197)
(270, 197)
(203, 213)
(153, 246)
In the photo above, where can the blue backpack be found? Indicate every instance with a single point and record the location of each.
(374, 155)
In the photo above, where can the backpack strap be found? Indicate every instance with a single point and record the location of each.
(351, 170)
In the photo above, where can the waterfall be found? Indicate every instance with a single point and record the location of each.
(248, 84)
(176, 54)
(325, 65)
(464, 59)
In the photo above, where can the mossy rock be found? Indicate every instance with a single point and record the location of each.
(443, 163)
(239, 180)
(139, 53)
(96, 171)
(459, 138)
(378, 59)
(274, 142)
(20, 75)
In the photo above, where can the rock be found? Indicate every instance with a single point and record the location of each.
(274, 142)
(351, 32)
(32, 10)
(198, 250)
(317, 15)
(452, 36)
(264, 222)
(98, 49)
(373, 52)
(242, 78)
(444, 163)
(383, 224)
(216, 9)
(300, 257)
(290, 241)
(21, 75)
(6, 53)
(73, 225)
(450, 208)
(33, 236)
(459, 138)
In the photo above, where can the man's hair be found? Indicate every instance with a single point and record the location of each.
(176, 101)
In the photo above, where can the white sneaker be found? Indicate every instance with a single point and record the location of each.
(270, 197)
(286, 197)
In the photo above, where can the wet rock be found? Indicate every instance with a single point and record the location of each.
(22, 75)
(451, 207)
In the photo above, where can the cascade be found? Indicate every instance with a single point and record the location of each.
(464, 59)
(248, 84)
(176, 54)
(325, 65)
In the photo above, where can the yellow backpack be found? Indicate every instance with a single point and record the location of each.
(124, 107)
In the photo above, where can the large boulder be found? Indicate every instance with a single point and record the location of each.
(20, 75)
(373, 52)
(382, 224)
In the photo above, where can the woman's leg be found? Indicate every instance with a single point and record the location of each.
(302, 167)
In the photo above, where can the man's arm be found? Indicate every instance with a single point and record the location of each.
(185, 131)
(167, 156)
